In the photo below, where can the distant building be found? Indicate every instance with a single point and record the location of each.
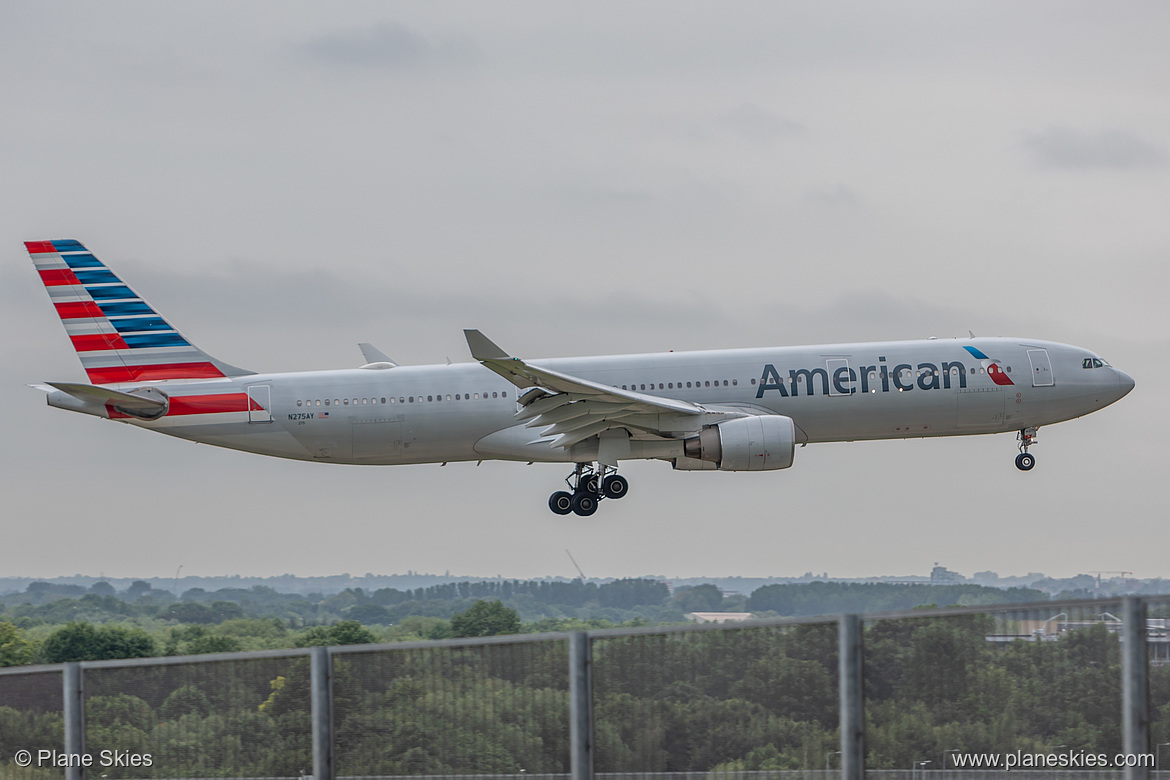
(718, 617)
(941, 575)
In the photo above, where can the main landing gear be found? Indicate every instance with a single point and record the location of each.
(1025, 460)
(588, 487)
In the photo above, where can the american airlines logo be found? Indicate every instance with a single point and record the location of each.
(844, 380)
(991, 366)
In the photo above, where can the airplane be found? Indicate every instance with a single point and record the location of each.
(729, 410)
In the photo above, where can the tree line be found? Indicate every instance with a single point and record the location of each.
(47, 619)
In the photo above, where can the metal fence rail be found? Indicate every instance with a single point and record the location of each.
(785, 699)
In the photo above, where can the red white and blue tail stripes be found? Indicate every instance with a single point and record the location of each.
(117, 335)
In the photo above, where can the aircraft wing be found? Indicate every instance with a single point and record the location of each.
(572, 409)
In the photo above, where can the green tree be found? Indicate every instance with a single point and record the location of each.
(630, 593)
(84, 642)
(345, 632)
(137, 590)
(185, 700)
(212, 643)
(369, 613)
(103, 589)
(187, 612)
(15, 648)
(485, 618)
(701, 598)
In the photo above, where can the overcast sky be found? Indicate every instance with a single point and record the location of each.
(285, 180)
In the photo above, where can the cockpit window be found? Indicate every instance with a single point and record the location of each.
(1093, 363)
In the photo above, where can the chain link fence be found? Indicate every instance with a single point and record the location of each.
(787, 699)
(31, 718)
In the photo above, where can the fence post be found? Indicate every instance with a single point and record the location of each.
(852, 687)
(1135, 720)
(74, 715)
(580, 706)
(321, 699)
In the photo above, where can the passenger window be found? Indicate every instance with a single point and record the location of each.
(688, 384)
(504, 394)
(1009, 369)
(494, 395)
(735, 382)
(430, 398)
(326, 401)
(345, 402)
(457, 398)
(753, 381)
(448, 396)
(318, 402)
(477, 396)
(643, 387)
(670, 385)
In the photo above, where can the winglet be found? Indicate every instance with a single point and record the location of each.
(483, 348)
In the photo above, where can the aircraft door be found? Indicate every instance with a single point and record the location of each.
(259, 404)
(1041, 368)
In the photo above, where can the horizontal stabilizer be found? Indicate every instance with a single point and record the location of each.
(147, 407)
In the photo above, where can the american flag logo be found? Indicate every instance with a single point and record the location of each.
(322, 414)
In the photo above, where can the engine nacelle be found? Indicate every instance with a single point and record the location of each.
(758, 443)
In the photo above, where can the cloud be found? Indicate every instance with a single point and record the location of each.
(1062, 147)
(385, 46)
(759, 124)
(835, 198)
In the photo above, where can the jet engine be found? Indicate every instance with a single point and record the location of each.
(758, 443)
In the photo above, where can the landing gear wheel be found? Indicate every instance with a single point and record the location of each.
(589, 484)
(1025, 462)
(584, 504)
(615, 486)
(561, 502)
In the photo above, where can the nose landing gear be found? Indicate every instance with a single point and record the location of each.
(587, 487)
(1025, 460)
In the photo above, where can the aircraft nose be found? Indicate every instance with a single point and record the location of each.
(1125, 382)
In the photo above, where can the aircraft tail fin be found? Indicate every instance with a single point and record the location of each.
(118, 336)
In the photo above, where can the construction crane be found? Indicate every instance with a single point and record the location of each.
(1099, 573)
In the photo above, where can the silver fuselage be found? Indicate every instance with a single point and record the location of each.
(838, 392)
